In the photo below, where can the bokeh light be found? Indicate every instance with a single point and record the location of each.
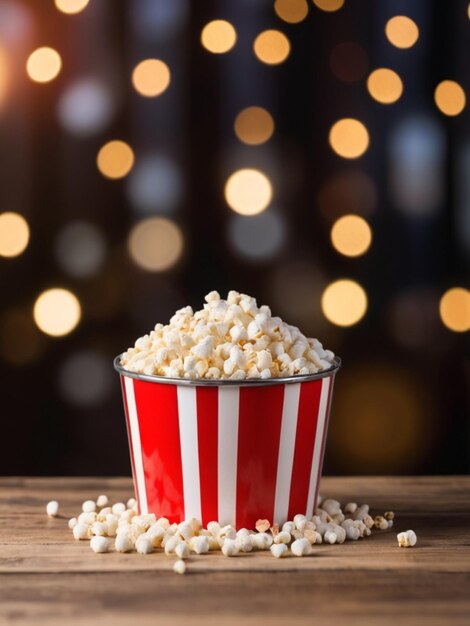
(401, 31)
(391, 416)
(57, 312)
(155, 184)
(248, 191)
(254, 125)
(43, 65)
(155, 244)
(158, 19)
(71, 6)
(416, 155)
(347, 191)
(291, 11)
(80, 249)
(349, 138)
(115, 159)
(86, 107)
(20, 340)
(454, 309)
(344, 302)
(85, 378)
(329, 5)
(4, 75)
(449, 98)
(351, 235)
(271, 47)
(151, 77)
(385, 85)
(259, 237)
(218, 36)
(349, 62)
(14, 234)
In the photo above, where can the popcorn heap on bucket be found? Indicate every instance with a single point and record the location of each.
(227, 339)
(99, 522)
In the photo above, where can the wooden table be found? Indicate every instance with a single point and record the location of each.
(48, 578)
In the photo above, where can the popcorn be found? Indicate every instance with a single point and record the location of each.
(407, 539)
(102, 501)
(89, 506)
(179, 567)
(52, 508)
(145, 534)
(227, 339)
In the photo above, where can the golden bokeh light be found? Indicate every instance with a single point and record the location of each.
(344, 302)
(155, 244)
(454, 309)
(115, 159)
(401, 31)
(57, 312)
(248, 191)
(450, 98)
(271, 47)
(14, 234)
(20, 340)
(385, 85)
(329, 5)
(71, 6)
(254, 125)
(291, 11)
(394, 421)
(351, 235)
(43, 65)
(218, 36)
(151, 77)
(349, 138)
(4, 75)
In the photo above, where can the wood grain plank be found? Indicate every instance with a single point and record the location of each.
(46, 577)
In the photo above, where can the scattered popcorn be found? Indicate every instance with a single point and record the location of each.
(301, 547)
(407, 539)
(146, 534)
(262, 525)
(99, 544)
(89, 506)
(179, 567)
(102, 501)
(52, 508)
(227, 339)
(279, 550)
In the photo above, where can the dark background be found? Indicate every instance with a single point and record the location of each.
(401, 399)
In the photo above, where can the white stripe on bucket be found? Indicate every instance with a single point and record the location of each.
(136, 447)
(187, 416)
(290, 410)
(314, 478)
(229, 401)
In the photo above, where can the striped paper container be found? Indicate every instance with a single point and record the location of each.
(231, 451)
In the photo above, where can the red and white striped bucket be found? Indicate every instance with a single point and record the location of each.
(231, 451)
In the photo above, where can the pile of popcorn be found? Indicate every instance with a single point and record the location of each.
(227, 339)
(99, 522)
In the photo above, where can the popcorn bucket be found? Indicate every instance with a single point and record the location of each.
(231, 451)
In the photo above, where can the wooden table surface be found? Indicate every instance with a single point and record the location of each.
(48, 578)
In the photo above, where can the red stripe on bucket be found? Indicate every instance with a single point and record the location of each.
(131, 446)
(259, 431)
(304, 443)
(157, 410)
(207, 425)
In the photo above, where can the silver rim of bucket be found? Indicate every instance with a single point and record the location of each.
(204, 382)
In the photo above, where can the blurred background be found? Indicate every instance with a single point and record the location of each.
(314, 154)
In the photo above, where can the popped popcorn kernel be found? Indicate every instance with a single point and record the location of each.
(227, 339)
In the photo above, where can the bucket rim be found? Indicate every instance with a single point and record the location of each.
(250, 382)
